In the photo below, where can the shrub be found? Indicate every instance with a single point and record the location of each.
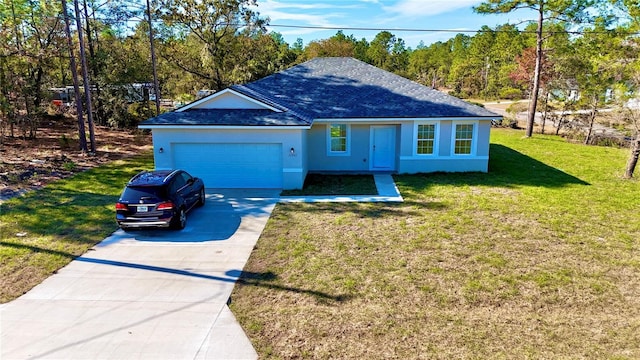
(516, 108)
(69, 166)
(608, 140)
(459, 94)
(64, 141)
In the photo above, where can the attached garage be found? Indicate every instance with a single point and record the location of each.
(235, 165)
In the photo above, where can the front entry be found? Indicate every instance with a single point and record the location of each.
(383, 148)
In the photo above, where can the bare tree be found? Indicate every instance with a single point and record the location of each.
(74, 74)
(633, 159)
(85, 76)
(156, 87)
(565, 11)
(631, 114)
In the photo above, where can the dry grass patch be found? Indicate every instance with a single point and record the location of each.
(536, 259)
(342, 184)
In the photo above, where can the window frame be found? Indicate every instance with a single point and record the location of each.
(436, 137)
(474, 137)
(347, 151)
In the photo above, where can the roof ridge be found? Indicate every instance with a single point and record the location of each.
(260, 96)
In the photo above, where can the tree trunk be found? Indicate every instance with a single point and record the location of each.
(15, 26)
(156, 87)
(85, 75)
(536, 77)
(592, 119)
(546, 109)
(37, 87)
(82, 136)
(93, 62)
(633, 159)
(563, 117)
(560, 123)
(4, 92)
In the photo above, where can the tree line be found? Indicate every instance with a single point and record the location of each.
(581, 54)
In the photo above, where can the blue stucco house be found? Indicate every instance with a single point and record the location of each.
(324, 115)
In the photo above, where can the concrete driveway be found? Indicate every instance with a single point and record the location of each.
(146, 294)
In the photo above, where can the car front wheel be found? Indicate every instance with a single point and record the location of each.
(180, 220)
(202, 198)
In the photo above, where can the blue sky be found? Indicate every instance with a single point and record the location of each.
(454, 15)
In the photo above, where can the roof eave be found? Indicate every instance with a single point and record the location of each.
(225, 127)
(438, 118)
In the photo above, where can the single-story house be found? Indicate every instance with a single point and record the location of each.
(324, 115)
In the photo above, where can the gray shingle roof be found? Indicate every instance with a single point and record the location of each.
(332, 88)
(227, 117)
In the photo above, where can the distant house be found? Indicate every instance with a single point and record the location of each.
(132, 92)
(325, 115)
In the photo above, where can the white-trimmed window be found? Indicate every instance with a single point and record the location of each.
(338, 139)
(426, 138)
(464, 135)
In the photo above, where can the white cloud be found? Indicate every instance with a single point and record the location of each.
(302, 13)
(306, 19)
(270, 5)
(421, 8)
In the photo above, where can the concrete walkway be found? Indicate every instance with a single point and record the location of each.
(387, 192)
(152, 294)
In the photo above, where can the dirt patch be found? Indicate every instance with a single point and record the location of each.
(27, 164)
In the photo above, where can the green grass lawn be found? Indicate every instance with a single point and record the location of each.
(45, 229)
(539, 258)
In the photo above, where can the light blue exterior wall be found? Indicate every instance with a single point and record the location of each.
(484, 136)
(357, 158)
(407, 160)
(444, 159)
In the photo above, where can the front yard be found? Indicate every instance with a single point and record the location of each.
(539, 258)
(46, 229)
(536, 259)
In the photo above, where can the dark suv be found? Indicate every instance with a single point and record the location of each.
(159, 198)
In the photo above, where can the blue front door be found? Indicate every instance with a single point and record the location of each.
(383, 148)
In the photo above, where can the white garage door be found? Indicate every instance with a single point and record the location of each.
(232, 165)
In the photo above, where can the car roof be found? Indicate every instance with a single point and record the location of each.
(152, 178)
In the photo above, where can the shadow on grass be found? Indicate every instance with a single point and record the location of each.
(510, 167)
(36, 249)
(507, 168)
(78, 209)
(361, 210)
(265, 280)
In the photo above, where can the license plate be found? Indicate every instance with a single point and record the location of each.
(143, 208)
